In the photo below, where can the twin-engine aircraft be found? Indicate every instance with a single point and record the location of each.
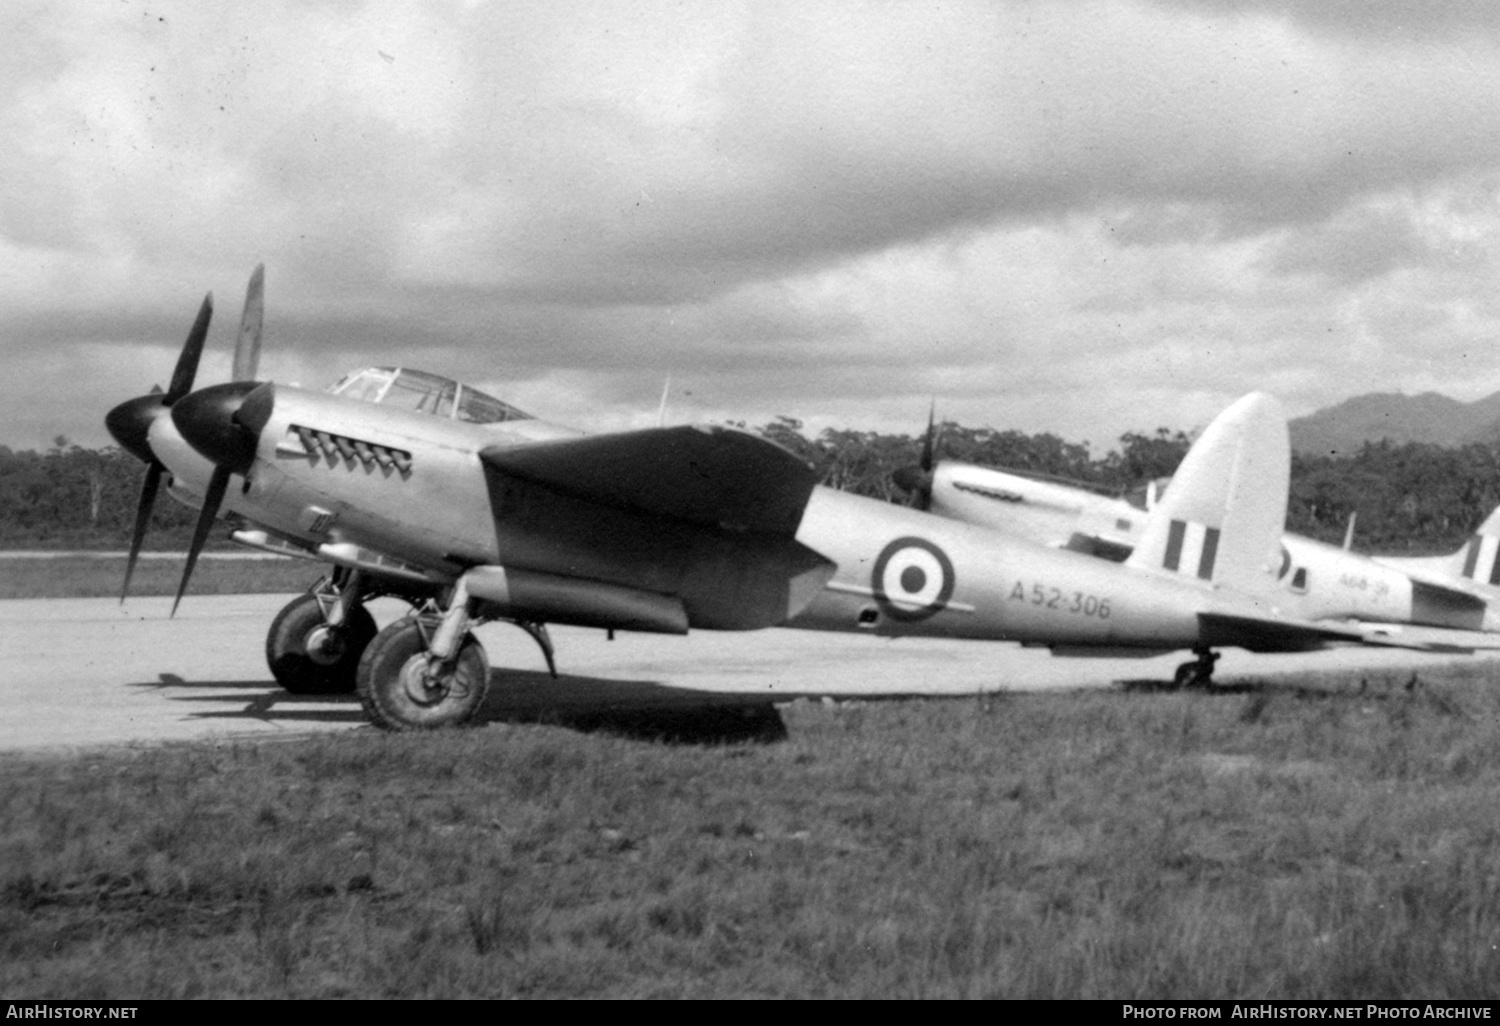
(423, 488)
(1313, 580)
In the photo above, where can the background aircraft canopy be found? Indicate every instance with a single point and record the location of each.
(422, 392)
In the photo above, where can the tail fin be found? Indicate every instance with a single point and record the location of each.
(1481, 556)
(1223, 517)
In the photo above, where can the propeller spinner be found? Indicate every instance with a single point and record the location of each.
(209, 416)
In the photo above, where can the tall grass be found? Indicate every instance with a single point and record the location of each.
(1330, 838)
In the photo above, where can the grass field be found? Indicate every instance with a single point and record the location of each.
(101, 576)
(1329, 838)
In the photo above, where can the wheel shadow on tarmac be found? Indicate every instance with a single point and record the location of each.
(639, 709)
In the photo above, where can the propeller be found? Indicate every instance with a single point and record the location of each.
(207, 420)
(917, 480)
(130, 425)
(223, 423)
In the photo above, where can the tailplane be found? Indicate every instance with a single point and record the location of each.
(1222, 520)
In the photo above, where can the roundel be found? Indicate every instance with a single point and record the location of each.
(912, 579)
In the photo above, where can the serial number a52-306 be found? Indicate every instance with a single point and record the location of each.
(1076, 602)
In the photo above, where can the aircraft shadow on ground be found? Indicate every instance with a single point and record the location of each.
(1375, 685)
(632, 708)
(1153, 686)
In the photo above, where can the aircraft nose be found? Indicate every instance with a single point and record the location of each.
(130, 424)
(223, 422)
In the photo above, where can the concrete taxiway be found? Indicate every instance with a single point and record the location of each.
(79, 673)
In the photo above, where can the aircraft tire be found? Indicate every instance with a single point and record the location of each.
(398, 694)
(305, 669)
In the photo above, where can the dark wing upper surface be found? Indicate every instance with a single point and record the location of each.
(710, 475)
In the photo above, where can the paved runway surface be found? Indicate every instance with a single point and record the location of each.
(77, 673)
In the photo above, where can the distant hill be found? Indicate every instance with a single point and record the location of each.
(1430, 418)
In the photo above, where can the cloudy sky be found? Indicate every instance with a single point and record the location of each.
(1063, 215)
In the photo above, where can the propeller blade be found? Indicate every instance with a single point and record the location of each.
(212, 499)
(142, 520)
(928, 443)
(917, 481)
(192, 349)
(247, 346)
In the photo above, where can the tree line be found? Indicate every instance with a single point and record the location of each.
(1410, 498)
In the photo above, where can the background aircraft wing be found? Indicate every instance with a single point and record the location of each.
(710, 475)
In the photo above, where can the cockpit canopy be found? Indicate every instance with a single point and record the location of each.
(421, 392)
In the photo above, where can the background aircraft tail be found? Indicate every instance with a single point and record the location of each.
(1479, 560)
(1222, 520)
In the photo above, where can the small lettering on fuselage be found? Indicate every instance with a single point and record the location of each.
(1359, 582)
(1076, 602)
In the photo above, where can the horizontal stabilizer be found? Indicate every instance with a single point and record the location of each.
(1271, 634)
(1440, 605)
(1099, 547)
(714, 476)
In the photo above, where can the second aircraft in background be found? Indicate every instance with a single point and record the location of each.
(1313, 580)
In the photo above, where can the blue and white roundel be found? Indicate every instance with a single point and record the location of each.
(912, 579)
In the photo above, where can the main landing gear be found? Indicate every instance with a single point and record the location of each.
(315, 643)
(427, 670)
(1199, 673)
(406, 684)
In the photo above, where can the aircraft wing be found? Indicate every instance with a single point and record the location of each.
(1272, 634)
(715, 476)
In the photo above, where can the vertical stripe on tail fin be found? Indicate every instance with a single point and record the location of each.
(1191, 548)
(1482, 559)
(1210, 551)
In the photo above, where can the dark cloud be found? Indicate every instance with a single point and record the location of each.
(1354, 248)
(799, 207)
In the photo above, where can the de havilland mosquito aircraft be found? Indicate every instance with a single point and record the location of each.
(423, 488)
(1313, 581)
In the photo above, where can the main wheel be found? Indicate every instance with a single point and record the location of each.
(308, 657)
(402, 690)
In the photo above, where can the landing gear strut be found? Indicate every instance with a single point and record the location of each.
(1199, 673)
(315, 643)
